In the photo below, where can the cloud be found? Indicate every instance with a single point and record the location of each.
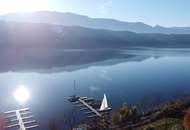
(104, 75)
(104, 7)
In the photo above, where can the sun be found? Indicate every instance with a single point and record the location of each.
(12, 6)
(22, 94)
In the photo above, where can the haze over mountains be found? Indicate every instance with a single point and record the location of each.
(35, 36)
(47, 41)
(70, 19)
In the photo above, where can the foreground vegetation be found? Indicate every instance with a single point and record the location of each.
(170, 115)
(174, 115)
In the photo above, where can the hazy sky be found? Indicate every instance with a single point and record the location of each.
(153, 12)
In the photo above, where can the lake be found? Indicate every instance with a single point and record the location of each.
(140, 74)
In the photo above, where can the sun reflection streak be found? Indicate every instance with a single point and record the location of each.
(22, 94)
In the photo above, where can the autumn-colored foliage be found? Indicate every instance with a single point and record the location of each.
(124, 112)
(116, 118)
(186, 121)
(121, 115)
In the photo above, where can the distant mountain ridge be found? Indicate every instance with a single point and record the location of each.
(33, 36)
(70, 19)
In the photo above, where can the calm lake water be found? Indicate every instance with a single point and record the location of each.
(148, 73)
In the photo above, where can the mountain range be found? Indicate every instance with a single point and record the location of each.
(70, 19)
(28, 36)
(31, 41)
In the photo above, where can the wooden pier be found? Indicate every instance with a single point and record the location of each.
(90, 107)
(21, 119)
(97, 118)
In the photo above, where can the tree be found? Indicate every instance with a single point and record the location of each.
(124, 112)
(134, 111)
(186, 121)
(116, 118)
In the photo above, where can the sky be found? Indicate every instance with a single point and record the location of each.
(153, 12)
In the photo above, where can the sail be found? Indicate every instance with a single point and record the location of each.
(104, 104)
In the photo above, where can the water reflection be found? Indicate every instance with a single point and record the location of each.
(70, 60)
(130, 79)
(22, 94)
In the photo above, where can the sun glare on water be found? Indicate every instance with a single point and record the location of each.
(22, 94)
(22, 6)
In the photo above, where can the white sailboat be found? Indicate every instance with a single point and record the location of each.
(104, 105)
